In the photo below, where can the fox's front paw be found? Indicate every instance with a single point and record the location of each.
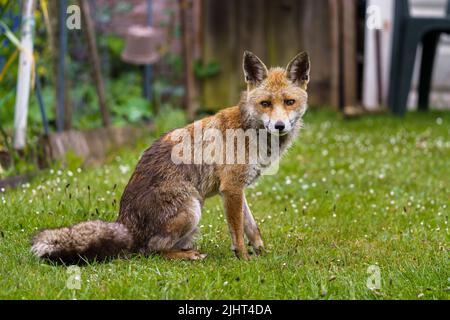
(258, 247)
(259, 251)
(242, 255)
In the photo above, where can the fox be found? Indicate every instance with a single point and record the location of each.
(161, 206)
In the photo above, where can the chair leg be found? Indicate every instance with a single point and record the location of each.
(405, 69)
(401, 13)
(430, 43)
(394, 78)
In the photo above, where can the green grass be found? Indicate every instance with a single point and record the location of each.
(349, 195)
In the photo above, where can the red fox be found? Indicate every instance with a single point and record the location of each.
(162, 203)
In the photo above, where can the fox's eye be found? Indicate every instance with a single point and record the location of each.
(289, 102)
(266, 104)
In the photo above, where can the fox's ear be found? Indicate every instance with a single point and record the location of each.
(298, 70)
(254, 69)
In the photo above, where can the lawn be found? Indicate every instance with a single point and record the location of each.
(353, 200)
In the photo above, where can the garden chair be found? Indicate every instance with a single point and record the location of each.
(409, 32)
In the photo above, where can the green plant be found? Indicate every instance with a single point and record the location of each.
(72, 161)
(114, 44)
(126, 101)
(169, 119)
(204, 70)
(175, 62)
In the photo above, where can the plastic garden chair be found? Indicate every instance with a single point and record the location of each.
(409, 32)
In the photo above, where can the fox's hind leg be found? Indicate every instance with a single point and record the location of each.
(251, 230)
(176, 240)
(187, 242)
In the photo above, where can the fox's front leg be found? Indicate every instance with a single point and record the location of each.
(251, 229)
(234, 202)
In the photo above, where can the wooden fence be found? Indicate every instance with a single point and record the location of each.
(276, 31)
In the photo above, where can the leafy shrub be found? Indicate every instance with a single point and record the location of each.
(169, 119)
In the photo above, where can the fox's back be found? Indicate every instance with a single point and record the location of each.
(156, 168)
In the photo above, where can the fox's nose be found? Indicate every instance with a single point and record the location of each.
(279, 125)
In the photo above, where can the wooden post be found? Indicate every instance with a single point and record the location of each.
(197, 12)
(95, 60)
(197, 30)
(334, 9)
(148, 68)
(341, 65)
(188, 50)
(57, 33)
(24, 75)
(349, 52)
(63, 108)
(63, 112)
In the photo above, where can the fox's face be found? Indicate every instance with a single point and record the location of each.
(277, 98)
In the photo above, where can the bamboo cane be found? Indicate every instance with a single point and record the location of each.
(24, 75)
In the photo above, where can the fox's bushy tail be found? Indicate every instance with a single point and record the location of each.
(85, 241)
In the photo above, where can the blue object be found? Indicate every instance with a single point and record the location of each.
(61, 66)
(16, 23)
(5, 42)
(41, 103)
